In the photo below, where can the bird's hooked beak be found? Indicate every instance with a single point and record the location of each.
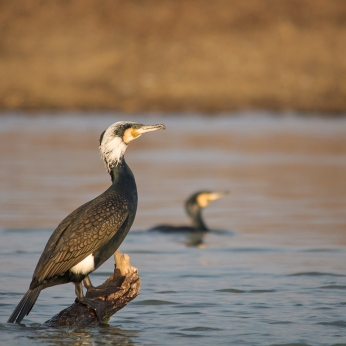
(138, 130)
(147, 128)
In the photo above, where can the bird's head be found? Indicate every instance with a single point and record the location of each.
(203, 198)
(114, 141)
(197, 202)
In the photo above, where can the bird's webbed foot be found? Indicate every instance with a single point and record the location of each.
(104, 289)
(96, 305)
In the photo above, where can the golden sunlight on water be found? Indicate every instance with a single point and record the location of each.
(284, 174)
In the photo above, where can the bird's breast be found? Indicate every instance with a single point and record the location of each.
(84, 267)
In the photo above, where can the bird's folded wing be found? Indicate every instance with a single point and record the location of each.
(56, 235)
(81, 233)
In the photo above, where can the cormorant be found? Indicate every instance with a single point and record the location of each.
(193, 206)
(87, 237)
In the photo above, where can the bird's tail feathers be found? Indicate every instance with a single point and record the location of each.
(25, 305)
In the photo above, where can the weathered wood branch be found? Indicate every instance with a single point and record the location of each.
(125, 277)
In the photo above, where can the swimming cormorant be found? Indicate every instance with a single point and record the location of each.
(193, 207)
(87, 237)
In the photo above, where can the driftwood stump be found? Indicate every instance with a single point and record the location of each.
(125, 277)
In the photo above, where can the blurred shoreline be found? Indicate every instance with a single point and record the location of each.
(173, 56)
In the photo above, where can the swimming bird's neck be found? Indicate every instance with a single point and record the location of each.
(195, 213)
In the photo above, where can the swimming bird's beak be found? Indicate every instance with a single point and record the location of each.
(204, 199)
(216, 195)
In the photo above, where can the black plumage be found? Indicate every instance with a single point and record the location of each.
(87, 237)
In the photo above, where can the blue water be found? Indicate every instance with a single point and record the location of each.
(272, 273)
(261, 294)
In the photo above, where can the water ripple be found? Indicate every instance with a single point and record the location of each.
(230, 290)
(155, 302)
(262, 291)
(341, 324)
(197, 276)
(233, 290)
(322, 250)
(334, 287)
(316, 274)
(197, 305)
(281, 322)
(188, 335)
(292, 344)
(199, 329)
(249, 249)
(166, 292)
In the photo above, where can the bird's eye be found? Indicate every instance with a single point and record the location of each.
(135, 127)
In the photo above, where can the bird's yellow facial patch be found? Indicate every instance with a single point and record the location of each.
(203, 200)
(130, 134)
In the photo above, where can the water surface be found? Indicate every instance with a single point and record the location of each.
(271, 273)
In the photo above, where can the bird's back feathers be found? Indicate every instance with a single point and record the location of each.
(81, 233)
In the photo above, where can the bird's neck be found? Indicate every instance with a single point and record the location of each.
(121, 172)
(195, 213)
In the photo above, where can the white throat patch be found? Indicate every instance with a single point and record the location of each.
(112, 148)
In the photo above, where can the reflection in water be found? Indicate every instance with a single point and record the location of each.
(103, 335)
(196, 239)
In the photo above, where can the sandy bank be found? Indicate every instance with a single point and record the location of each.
(173, 55)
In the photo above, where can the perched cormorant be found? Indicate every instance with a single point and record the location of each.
(87, 237)
(193, 207)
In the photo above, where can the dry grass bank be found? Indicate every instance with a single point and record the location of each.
(173, 55)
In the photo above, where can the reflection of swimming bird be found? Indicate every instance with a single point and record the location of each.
(193, 206)
(87, 237)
